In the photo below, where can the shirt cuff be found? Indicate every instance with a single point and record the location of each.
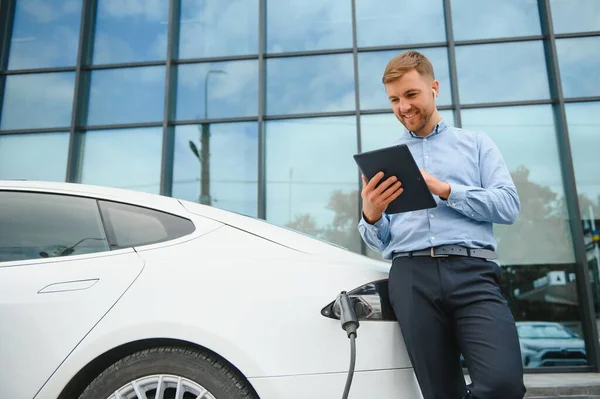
(375, 226)
(458, 196)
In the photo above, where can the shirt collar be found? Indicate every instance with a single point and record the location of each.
(439, 128)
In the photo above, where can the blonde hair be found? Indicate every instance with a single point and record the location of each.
(405, 62)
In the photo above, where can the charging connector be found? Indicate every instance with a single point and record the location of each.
(350, 324)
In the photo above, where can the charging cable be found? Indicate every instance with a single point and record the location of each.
(350, 324)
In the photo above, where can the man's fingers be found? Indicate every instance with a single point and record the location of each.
(386, 184)
(373, 182)
(392, 193)
(396, 194)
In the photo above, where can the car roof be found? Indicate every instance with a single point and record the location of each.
(156, 201)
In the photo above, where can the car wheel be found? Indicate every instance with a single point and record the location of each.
(169, 373)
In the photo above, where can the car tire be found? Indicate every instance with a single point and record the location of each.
(207, 371)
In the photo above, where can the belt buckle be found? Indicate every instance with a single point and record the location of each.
(433, 255)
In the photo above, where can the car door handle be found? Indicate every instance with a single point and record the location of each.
(76, 285)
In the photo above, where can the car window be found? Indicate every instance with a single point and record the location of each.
(129, 225)
(39, 225)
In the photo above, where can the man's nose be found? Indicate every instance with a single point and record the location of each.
(404, 106)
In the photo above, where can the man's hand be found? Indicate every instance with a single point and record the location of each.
(376, 199)
(436, 186)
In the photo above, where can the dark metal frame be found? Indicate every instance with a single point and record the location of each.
(35, 70)
(84, 68)
(363, 246)
(81, 89)
(7, 12)
(452, 63)
(262, 106)
(168, 147)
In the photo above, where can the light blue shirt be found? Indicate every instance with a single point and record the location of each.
(482, 193)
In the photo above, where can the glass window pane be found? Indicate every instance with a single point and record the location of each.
(310, 84)
(35, 101)
(132, 226)
(37, 226)
(371, 66)
(382, 130)
(127, 95)
(579, 63)
(217, 90)
(123, 158)
(218, 28)
(585, 141)
(36, 156)
(316, 25)
(45, 34)
(131, 31)
(476, 19)
(391, 23)
(575, 15)
(310, 187)
(583, 134)
(526, 137)
(228, 177)
(485, 77)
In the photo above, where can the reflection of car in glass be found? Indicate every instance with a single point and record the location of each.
(107, 293)
(550, 344)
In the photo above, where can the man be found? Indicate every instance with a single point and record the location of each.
(442, 285)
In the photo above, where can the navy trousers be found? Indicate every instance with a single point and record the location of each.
(448, 306)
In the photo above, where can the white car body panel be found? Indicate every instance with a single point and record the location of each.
(277, 234)
(39, 330)
(249, 291)
(379, 384)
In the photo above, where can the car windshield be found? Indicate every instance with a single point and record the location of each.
(544, 331)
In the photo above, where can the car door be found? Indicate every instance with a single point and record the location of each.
(58, 278)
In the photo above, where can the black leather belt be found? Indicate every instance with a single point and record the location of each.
(444, 251)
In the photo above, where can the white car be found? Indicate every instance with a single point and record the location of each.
(108, 293)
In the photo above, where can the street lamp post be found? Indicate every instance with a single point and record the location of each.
(204, 155)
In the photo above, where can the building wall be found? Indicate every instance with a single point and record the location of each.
(256, 106)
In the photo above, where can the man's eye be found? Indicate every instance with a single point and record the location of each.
(411, 95)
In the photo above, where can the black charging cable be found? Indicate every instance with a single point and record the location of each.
(350, 324)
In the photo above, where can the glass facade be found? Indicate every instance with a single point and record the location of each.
(235, 104)
(126, 95)
(120, 35)
(225, 176)
(35, 101)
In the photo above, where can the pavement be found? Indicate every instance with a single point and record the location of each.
(571, 385)
(561, 385)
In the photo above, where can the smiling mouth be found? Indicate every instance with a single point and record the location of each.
(410, 116)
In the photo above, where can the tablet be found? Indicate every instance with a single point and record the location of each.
(398, 161)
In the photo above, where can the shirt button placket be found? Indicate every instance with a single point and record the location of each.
(426, 163)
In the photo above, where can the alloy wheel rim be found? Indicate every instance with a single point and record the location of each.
(162, 386)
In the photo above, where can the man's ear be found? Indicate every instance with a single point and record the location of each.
(435, 89)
